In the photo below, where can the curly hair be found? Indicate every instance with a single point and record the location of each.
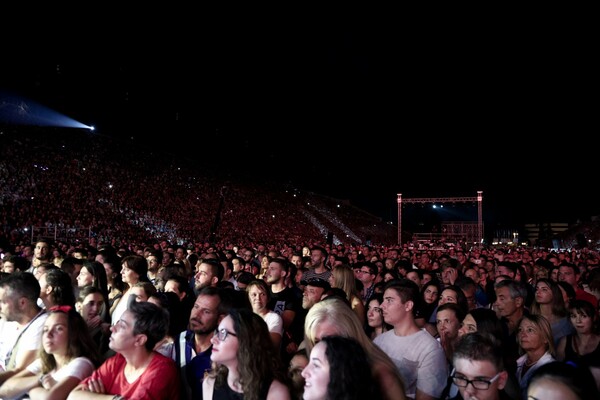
(350, 375)
(258, 360)
(80, 342)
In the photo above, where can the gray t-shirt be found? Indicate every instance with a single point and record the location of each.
(420, 360)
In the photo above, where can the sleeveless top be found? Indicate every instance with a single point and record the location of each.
(224, 392)
(590, 359)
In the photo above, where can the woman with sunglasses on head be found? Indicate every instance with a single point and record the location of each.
(245, 362)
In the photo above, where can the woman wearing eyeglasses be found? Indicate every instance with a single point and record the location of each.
(245, 363)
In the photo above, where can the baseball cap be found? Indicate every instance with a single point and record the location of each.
(318, 282)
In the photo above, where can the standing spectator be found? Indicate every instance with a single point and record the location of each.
(136, 371)
(339, 369)
(245, 361)
(417, 355)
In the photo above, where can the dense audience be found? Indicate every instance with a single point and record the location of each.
(192, 286)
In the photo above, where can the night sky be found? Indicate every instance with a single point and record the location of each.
(351, 112)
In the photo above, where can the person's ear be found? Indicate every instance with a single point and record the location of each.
(502, 379)
(141, 339)
(519, 301)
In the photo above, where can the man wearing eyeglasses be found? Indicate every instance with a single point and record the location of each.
(367, 273)
(479, 368)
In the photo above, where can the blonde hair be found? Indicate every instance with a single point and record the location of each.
(545, 331)
(340, 315)
(343, 278)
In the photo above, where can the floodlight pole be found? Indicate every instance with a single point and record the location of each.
(400, 219)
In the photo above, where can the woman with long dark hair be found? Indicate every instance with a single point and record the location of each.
(246, 364)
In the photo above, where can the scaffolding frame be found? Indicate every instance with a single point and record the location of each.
(422, 200)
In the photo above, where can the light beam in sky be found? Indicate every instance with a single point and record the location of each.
(19, 111)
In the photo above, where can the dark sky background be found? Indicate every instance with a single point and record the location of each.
(352, 112)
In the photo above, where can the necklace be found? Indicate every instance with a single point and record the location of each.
(530, 363)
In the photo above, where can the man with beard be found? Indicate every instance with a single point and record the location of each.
(209, 272)
(283, 302)
(193, 347)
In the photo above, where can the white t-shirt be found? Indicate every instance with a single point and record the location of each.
(31, 338)
(274, 322)
(420, 360)
(80, 368)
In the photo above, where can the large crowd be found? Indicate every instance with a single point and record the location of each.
(187, 287)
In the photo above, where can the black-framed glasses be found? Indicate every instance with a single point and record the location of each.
(478, 383)
(221, 334)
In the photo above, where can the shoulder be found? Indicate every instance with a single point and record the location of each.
(162, 360)
(81, 362)
(208, 386)
(278, 391)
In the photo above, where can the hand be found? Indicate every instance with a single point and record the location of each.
(96, 386)
(47, 381)
(94, 322)
(291, 348)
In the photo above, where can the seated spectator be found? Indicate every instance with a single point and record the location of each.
(142, 291)
(339, 369)
(244, 360)
(479, 371)
(56, 289)
(549, 303)
(537, 346)
(375, 323)
(557, 381)
(90, 304)
(24, 320)
(135, 371)
(583, 346)
(333, 316)
(259, 296)
(297, 364)
(68, 355)
(177, 320)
